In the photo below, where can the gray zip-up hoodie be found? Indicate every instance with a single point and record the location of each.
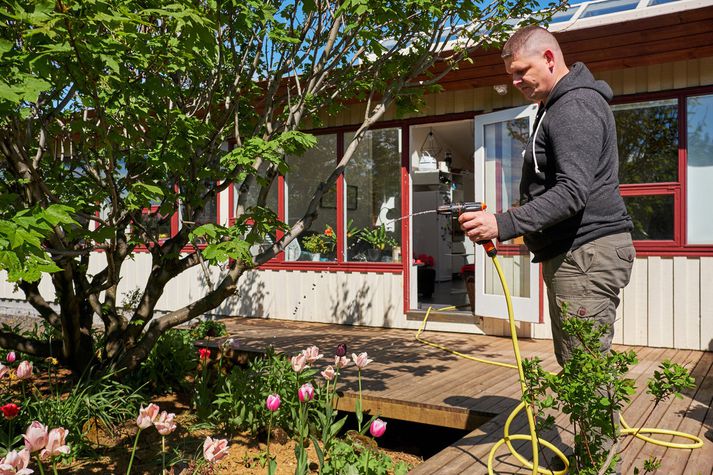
(569, 191)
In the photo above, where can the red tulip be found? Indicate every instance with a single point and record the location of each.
(10, 410)
(204, 354)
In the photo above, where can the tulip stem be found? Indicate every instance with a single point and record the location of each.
(10, 433)
(133, 452)
(163, 454)
(39, 465)
(54, 467)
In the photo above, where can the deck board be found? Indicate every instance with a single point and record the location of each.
(412, 381)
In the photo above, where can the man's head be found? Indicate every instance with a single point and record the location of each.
(534, 59)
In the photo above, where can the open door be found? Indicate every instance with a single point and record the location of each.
(500, 140)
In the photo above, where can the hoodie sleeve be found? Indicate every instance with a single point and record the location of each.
(575, 137)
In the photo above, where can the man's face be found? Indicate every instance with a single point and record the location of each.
(532, 74)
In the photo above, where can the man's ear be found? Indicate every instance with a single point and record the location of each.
(550, 59)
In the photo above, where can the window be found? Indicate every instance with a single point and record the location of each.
(648, 142)
(304, 174)
(699, 169)
(373, 196)
(666, 169)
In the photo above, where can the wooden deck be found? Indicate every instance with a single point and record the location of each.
(414, 382)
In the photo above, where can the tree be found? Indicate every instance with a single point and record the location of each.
(114, 115)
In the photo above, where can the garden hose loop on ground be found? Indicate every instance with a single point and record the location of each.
(507, 439)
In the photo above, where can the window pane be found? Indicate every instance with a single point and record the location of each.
(699, 174)
(611, 6)
(254, 191)
(305, 173)
(652, 216)
(647, 136)
(373, 197)
(504, 144)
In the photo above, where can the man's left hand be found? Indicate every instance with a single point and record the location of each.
(479, 225)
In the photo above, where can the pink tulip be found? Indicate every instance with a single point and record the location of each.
(328, 373)
(15, 463)
(341, 362)
(36, 437)
(273, 402)
(214, 450)
(164, 424)
(24, 370)
(299, 362)
(362, 360)
(306, 392)
(11, 357)
(3, 370)
(377, 428)
(147, 416)
(56, 444)
(312, 354)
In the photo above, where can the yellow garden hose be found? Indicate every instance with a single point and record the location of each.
(532, 436)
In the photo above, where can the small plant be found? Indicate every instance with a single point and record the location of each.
(378, 237)
(318, 244)
(592, 389)
(650, 465)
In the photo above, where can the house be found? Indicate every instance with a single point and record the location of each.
(465, 145)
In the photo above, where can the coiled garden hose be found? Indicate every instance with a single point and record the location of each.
(507, 439)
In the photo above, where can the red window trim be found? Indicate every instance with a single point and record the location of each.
(677, 246)
(644, 248)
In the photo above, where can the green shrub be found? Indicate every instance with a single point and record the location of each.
(171, 360)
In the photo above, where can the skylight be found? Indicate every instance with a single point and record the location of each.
(608, 6)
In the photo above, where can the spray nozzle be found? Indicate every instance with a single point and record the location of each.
(460, 208)
(456, 209)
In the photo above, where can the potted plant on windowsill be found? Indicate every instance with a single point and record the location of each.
(317, 245)
(379, 239)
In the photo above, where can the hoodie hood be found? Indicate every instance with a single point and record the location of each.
(579, 77)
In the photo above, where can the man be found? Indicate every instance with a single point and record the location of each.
(571, 214)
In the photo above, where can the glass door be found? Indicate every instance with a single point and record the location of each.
(500, 140)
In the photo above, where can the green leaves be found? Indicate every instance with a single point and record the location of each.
(22, 252)
(669, 380)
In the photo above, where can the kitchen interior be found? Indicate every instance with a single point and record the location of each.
(441, 173)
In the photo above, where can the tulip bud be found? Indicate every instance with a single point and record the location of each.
(24, 370)
(273, 402)
(328, 373)
(11, 357)
(306, 392)
(377, 428)
(341, 350)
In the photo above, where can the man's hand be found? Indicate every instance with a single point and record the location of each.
(479, 225)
